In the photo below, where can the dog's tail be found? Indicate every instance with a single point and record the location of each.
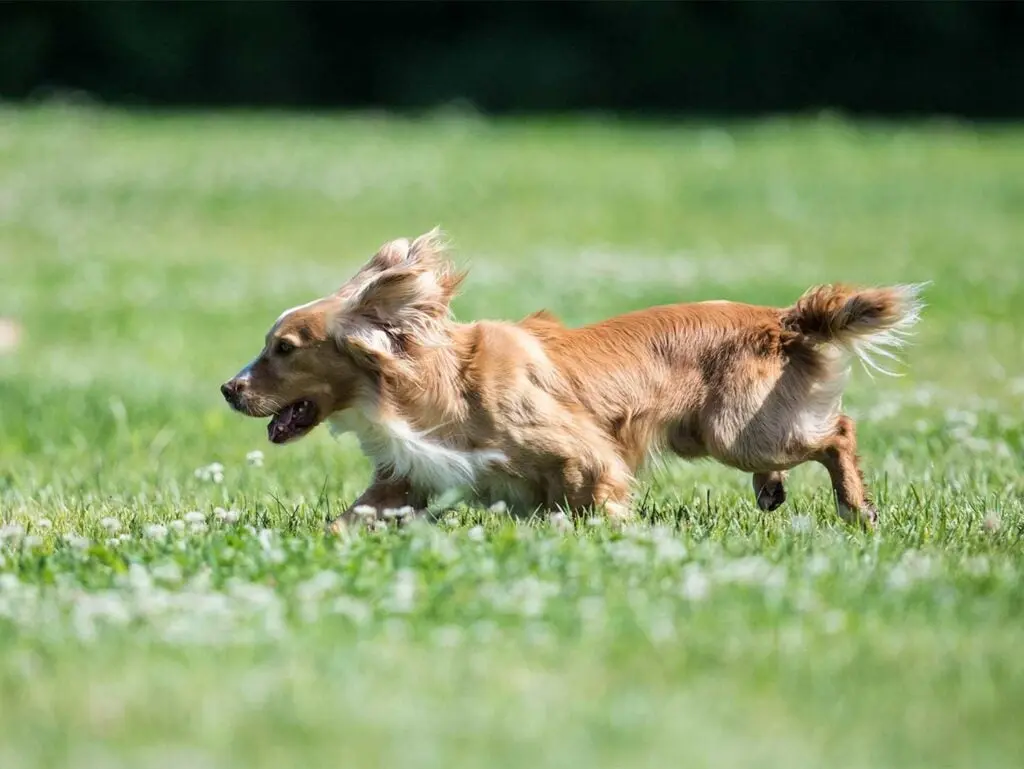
(867, 323)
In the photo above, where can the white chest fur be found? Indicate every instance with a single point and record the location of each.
(430, 465)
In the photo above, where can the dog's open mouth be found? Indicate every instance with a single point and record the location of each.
(293, 421)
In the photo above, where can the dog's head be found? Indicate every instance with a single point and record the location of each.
(329, 355)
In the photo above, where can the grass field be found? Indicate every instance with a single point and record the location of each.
(156, 611)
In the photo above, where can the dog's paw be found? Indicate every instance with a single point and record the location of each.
(354, 517)
(869, 516)
(771, 495)
(337, 527)
(866, 516)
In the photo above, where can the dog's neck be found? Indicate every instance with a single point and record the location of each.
(418, 423)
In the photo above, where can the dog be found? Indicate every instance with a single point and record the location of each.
(543, 416)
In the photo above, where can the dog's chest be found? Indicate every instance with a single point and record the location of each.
(392, 444)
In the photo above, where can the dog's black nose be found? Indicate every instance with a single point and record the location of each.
(229, 390)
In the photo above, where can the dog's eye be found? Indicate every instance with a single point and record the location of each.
(284, 347)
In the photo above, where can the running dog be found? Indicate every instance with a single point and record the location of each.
(540, 415)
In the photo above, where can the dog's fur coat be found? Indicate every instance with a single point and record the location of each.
(544, 416)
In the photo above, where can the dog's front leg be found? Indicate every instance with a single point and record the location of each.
(770, 489)
(384, 493)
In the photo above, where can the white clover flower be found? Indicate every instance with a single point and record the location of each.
(529, 595)
(255, 458)
(696, 584)
(12, 531)
(226, 516)
(366, 510)
(168, 571)
(314, 588)
(476, 534)
(403, 592)
(595, 522)
(818, 564)
(668, 549)
(992, 523)
(197, 528)
(801, 524)
(32, 540)
(913, 567)
(75, 541)
(211, 472)
(194, 516)
(156, 531)
(177, 525)
(498, 507)
(977, 566)
(125, 537)
(44, 523)
(113, 542)
(356, 611)
(139, 578)
(111, 524)
(560, 522)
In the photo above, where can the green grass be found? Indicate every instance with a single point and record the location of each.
(146, 256)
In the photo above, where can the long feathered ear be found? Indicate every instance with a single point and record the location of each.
(428, 251)
(412, 283)
(403, 296)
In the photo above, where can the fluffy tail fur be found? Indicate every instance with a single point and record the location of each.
(867, 323)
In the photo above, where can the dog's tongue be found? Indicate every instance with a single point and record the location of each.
(277, 429)
(283, 424)
(292, 420)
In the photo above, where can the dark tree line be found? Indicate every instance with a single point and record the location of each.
(958, 57)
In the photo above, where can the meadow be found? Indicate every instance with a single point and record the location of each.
(167, 597)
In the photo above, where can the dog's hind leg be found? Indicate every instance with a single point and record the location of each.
(769, 488)
(601, 486)
(838, 454)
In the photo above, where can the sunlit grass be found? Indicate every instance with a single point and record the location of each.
(166, 594)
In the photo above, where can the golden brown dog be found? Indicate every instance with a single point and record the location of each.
(541, 415)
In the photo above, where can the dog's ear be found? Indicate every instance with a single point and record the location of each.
(401, 299)
(394, 253)
(427, 250)
(416, 285)
(423, 254)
